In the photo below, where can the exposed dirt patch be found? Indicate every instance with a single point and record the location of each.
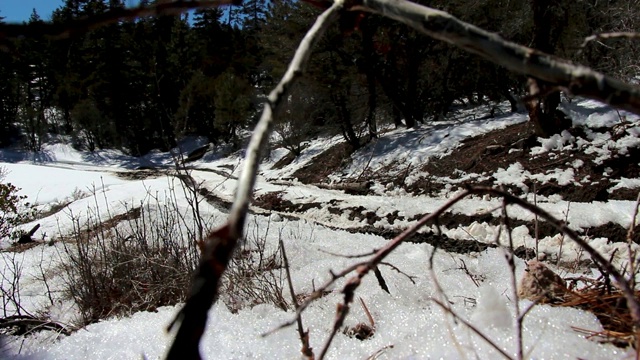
(216, 171)
(613, 232)
(273, 201)
(439, 241)
(218, 202)
(141, 174)
(623, 194)
(284, 161)
(324, 164)
(19, 248)
(486, 154)
(131, 214)
(361, 213)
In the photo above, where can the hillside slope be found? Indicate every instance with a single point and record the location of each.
(330, 207)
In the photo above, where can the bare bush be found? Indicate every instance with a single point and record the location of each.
(10, 285)
(136, 261)
(255, 275)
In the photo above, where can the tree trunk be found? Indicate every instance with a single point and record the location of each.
(513, 102)
(345, 121)
(368, 56)
(543, 112)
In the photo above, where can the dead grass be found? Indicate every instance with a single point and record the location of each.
(610, 307)
(134, 261)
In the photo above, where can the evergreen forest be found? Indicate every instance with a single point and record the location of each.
(145, 84)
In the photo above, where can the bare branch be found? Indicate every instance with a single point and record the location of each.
(473, 328)
(575, 79)
(307, 351)
(613, 35)
(220, 244)
(510, 256)
(263, 129)
(410, 277)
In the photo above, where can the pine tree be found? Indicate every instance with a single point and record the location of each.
(8, 96)
(253, 13)
(35, 90)
(233, 105)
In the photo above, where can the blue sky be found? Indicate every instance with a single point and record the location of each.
(20, 10)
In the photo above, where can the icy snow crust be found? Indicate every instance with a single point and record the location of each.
(406, 319)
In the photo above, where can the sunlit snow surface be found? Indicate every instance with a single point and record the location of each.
(409, 325)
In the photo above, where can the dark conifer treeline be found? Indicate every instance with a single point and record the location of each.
(141, 85)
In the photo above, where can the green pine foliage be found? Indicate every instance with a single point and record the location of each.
(143, 84)
(233, 96)
(12, 206)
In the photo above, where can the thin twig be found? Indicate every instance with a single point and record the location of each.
(368, 313)
(613, 35)
(410, 277)
(473, 328)
(508, 252)
(307, 351)
(356, 256)
(632, 254)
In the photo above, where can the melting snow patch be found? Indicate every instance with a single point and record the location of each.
(576, 164)
(555, 142)
(516, 175)
(625, 183)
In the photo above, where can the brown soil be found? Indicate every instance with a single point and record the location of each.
(490, 152)
(324, 164)
(273, 201)
(284, 161)
(436, 240)
(141, 174)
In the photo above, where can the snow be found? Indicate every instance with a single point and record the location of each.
(555, 142)
(409, 325)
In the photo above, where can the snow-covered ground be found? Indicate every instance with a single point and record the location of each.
(409, 324)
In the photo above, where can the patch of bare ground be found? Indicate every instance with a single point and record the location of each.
(141, 173)
(273, 201)
(216, 201)
(19, 248)
(437, 240)
(284, 161)
(499, 149)
(613, 232)
(324, 164)
(89, 232)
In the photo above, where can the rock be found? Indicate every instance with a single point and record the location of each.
(540, 283)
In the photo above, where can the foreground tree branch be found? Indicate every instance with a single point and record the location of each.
(220, 245)
(576, 79)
